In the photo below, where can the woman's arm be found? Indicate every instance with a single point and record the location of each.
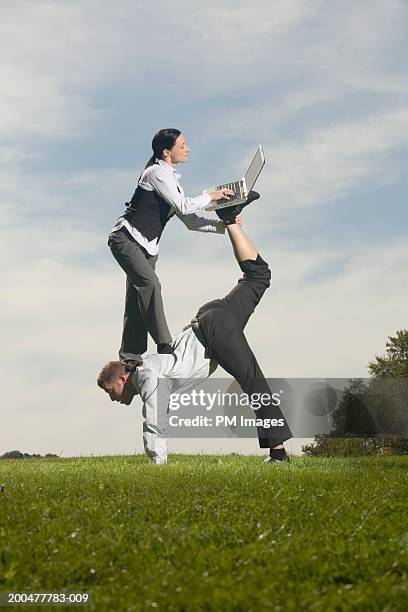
(202, 224)
(166, 185)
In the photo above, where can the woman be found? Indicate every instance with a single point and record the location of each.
(134, 241)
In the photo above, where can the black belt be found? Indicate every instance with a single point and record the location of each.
(198, 332)
(200, 337)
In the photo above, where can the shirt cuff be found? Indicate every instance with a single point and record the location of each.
(159, 460)
(208, 198)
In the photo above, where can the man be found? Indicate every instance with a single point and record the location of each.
(215, 336)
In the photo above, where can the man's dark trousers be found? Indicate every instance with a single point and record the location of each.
(221, 324)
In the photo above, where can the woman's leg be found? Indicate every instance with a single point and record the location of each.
(134, 333)
(144, 310)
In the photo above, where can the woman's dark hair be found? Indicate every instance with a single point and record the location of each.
(164, 139)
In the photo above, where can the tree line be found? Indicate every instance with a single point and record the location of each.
(15, 454)
(372, 416)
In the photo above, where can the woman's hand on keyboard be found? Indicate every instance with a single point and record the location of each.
(221, 194)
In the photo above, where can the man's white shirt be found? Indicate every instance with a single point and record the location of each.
(162, 375)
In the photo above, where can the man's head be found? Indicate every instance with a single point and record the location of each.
(117, 382)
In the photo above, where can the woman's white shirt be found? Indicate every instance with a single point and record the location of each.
(165, 181)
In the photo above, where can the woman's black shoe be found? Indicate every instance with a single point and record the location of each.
(132, 364)
(165, 349)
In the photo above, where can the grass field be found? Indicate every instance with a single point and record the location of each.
(208, 532)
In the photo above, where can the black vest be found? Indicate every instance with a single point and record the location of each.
(148, 213)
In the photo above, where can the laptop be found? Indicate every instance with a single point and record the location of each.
(242, 188)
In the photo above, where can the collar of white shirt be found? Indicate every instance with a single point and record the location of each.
(167, 167)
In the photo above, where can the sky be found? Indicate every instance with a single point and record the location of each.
(85, 85)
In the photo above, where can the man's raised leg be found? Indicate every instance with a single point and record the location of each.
(242, 300)
(222, 322)
(241, 244)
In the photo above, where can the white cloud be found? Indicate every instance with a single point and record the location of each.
(56, 55)
(69, 49)
(330, 162)
(291, 55)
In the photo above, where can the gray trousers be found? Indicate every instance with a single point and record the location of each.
(144, 311)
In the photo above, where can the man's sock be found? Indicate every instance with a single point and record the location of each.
(278, 453)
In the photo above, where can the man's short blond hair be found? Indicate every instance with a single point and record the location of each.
(110, 371)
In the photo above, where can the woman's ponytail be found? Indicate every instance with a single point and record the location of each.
(150, 162)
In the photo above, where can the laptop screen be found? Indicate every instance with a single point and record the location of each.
(254, 169)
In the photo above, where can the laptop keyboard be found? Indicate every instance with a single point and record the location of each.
(236, 187)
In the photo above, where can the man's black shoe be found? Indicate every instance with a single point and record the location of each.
(229, 213)
(277, 455)
(276, 460)
(252, 195)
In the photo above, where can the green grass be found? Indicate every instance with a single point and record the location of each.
(209, 532)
